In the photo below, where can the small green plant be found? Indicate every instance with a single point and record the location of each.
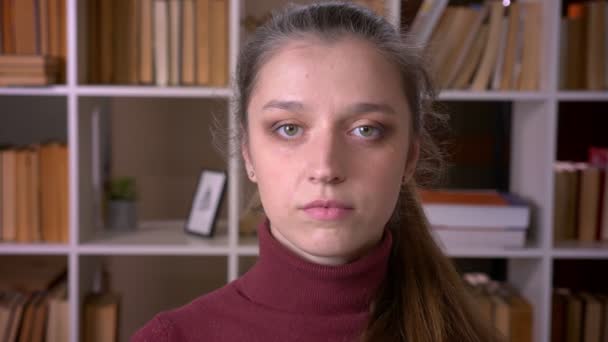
(122, 189)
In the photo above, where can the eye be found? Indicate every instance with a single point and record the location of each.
(368, 131)
(288, 130)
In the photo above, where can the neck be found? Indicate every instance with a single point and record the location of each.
(285, 281)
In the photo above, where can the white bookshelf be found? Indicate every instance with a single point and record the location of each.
(533, 151)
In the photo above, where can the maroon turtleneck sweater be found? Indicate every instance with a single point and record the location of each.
(281, 298)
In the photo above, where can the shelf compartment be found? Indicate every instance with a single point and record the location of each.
(163, 143)
(162, 283)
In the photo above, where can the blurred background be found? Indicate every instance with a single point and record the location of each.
(107, 109)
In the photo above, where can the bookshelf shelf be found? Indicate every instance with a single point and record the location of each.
(33, 249)
(58, 90)
(463, 95)
(153, 91)
(158, 237)
(582, 96)
(580, 250)
(218, 248)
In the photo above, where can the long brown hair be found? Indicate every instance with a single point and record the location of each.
(423, 298)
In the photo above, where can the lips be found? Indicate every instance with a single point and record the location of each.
(327, 204)
(327, 210)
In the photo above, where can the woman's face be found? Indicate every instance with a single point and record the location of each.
(329, 122)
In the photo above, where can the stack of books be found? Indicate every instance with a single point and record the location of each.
(34, 193)
(580, 210)
(579, 316)
(27, 70)
(505, 308)
(584, 46)
(474, 218)
(158, 42)
(479, 47)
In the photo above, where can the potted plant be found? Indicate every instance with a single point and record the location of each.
(122, 214)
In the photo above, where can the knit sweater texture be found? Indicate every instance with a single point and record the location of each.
(283, 297)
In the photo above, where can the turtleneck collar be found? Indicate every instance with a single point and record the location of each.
(286, 282)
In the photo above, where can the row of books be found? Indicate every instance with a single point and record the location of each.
(584, 46)
(580, 210)
(34, 193)
(28, 70)
(33, 28)
(486, 46)
(579, 316)
(161, 42)
(476, 218)
(33, 301)
(507, 310)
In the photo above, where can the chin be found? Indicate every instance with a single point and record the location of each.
(329, 248)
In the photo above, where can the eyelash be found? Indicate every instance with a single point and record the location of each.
(379, 135)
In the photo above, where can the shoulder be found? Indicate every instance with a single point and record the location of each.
(160, 328)
(185, 323)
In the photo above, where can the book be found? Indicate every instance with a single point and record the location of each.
(106, 41)
(481, 13)
(146, 42)
(203, 42)
(188, 65)
(475, 209)
(574, 316)
(121, 40)
(588, 203)
(175, 40)
(490, 54)
(133, 47)
(161, 42)
(496, 77)
(558, 314)
(454, 44)
(595, 34)
(457, 237)
(472, 59)
(426, 19)
(26, 37)
(512, 42)
(9, 195)
(101, 318)
(219, 42)
(57, 325)
(530, 60)
(576, 41)
(592, 318)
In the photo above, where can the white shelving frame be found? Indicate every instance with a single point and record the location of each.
(534, 130)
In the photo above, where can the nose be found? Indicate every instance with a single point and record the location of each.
(327, 160)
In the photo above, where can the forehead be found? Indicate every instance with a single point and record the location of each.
(342, 69)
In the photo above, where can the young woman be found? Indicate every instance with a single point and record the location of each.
(336, 109)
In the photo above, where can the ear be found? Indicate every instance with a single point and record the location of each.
(412, 160)
(248, 165)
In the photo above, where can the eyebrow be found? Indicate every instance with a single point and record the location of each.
(357, 108)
